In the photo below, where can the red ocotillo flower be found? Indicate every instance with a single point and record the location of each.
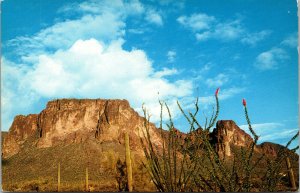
(217, 92)
(244, 102)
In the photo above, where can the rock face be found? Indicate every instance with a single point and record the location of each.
(68, 121)
(22, 128)
(226, 134)
(269, 148)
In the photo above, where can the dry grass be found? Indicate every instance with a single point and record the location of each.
(37, 168)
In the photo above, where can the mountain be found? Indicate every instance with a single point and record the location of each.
(68, 121)
(80, 133)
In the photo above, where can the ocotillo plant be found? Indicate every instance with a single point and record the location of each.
(247, 158)
(195, 165)
(168, 173)
(215, 175)
(128, 163)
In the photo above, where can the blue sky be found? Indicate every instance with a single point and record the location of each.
(143, 51)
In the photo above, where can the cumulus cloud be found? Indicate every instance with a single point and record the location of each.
(93, 69)
(270, 59)
(85, 58)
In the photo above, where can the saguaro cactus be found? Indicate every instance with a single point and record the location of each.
(86, 179)
(128, 163)
(58, 178)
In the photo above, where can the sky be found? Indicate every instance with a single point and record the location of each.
(146, 51)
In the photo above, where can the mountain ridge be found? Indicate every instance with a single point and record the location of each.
(81, 133)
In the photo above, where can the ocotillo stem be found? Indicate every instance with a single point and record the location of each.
(291, 173)
(86, 180)
(128, 163)
(58, 178)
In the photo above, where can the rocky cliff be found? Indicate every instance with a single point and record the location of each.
(68, 121)
(227, 134)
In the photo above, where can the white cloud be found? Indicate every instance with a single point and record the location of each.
(165, 72)
(230, 92)
(270, 59)
(131, 7)
(291, 40)
(223, 95)
(14, 97)
(254, 38)
(204, 36)
(271, 132)
(136, 31)
(228, 30)
(287, 133)
(93, 69)
(196, 21)
(262, 126)
(214, 29)
(63, 34)
(207, 27)
(171, 56)
(217, 81)
(222, 31)
(101, 20)
(84, 58)
(154, 17)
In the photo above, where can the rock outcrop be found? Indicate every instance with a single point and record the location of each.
(22, 128)
(269, 148)
(227, 134)
(68, 121)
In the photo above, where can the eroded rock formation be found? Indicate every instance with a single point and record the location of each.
(75, 120)
(226, 134)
